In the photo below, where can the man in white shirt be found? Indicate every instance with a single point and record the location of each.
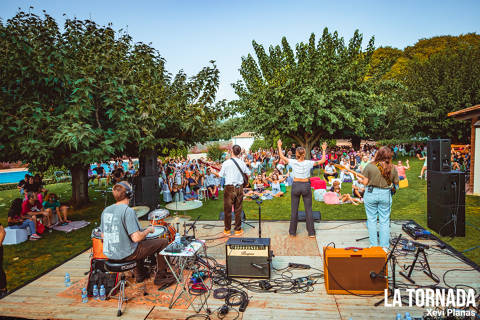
(233, 194)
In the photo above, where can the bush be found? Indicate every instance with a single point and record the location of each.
(259, 144)
(391, 142)
(214, 152)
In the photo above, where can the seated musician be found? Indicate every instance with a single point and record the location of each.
(124, 240)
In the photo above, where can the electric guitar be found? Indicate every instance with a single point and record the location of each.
(208, 164)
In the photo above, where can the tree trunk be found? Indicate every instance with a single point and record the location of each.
(79, 185)
(356, 141)
(308, 149)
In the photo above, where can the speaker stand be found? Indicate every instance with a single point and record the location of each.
(428, 272)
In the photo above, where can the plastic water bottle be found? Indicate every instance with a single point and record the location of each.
(84, 295)
(102, 292)
(67, 280)
(407, 316)
(95, 292)
(399, 316)
(177, 238)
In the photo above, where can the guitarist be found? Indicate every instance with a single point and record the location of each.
(233, 171)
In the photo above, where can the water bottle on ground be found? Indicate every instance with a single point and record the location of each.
(67, 280)
(95, 292)
(84, 295)
(178, 238)
(102, 292)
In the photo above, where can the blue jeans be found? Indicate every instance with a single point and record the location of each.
(378, 204)
(24, 225)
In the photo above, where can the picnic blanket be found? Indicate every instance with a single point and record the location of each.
(74, 225)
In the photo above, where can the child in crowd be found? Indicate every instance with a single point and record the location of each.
(52, 205)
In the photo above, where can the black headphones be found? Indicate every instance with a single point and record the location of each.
(128, 189)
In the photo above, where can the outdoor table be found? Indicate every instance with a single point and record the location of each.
(185, 261)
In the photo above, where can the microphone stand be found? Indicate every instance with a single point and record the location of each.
(385, 266)
(193, 226)
(259, 202)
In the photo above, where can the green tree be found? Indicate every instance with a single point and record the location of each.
(214, 151)
(320, 90)
(445, 81)
(88, 94)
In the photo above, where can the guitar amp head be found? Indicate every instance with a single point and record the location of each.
(248, 258)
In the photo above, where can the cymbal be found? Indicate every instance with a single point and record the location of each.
(141, 210)
(177, 219)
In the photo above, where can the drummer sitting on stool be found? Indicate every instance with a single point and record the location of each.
(124, 240)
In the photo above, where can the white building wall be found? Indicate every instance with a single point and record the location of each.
(244, 143)
(476, 172)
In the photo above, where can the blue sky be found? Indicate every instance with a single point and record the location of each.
(190, 33)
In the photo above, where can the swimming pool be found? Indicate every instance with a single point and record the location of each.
(12, 176)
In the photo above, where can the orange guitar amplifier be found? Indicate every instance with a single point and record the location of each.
(355, 270)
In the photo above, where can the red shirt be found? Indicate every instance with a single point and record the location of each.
(27, 207)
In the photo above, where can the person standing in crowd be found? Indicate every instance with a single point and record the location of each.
(401, 169)
(3, 276)
(379, 176)
(301, 169)
(232, 170)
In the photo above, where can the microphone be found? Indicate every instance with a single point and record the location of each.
(374, 275)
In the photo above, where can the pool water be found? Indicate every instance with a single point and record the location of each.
(13, 176)
(107, 169)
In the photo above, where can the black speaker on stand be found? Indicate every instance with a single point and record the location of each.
(446, 202)
(445, 191)
(438, 155)
(146, 187)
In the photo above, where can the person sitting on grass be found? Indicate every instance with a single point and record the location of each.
(100, 172)
(22, 183)
(17, 221)
(345, 198)
(210, 183)
(39, 187)
(358, 189)
(401, 169)
(117, 174)
(192, 195)
(52, 205)
(330, 171)
(363, 163)
(275, 182)
(32, 208)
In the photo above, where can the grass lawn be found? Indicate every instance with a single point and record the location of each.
(25, 261)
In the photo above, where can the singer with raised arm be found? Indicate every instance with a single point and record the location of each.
(301, 187)
(235, 172)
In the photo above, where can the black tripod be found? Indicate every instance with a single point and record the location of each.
(428, 272)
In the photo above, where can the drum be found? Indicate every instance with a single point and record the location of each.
(157, 216)
(97, 244)
(160, 232)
